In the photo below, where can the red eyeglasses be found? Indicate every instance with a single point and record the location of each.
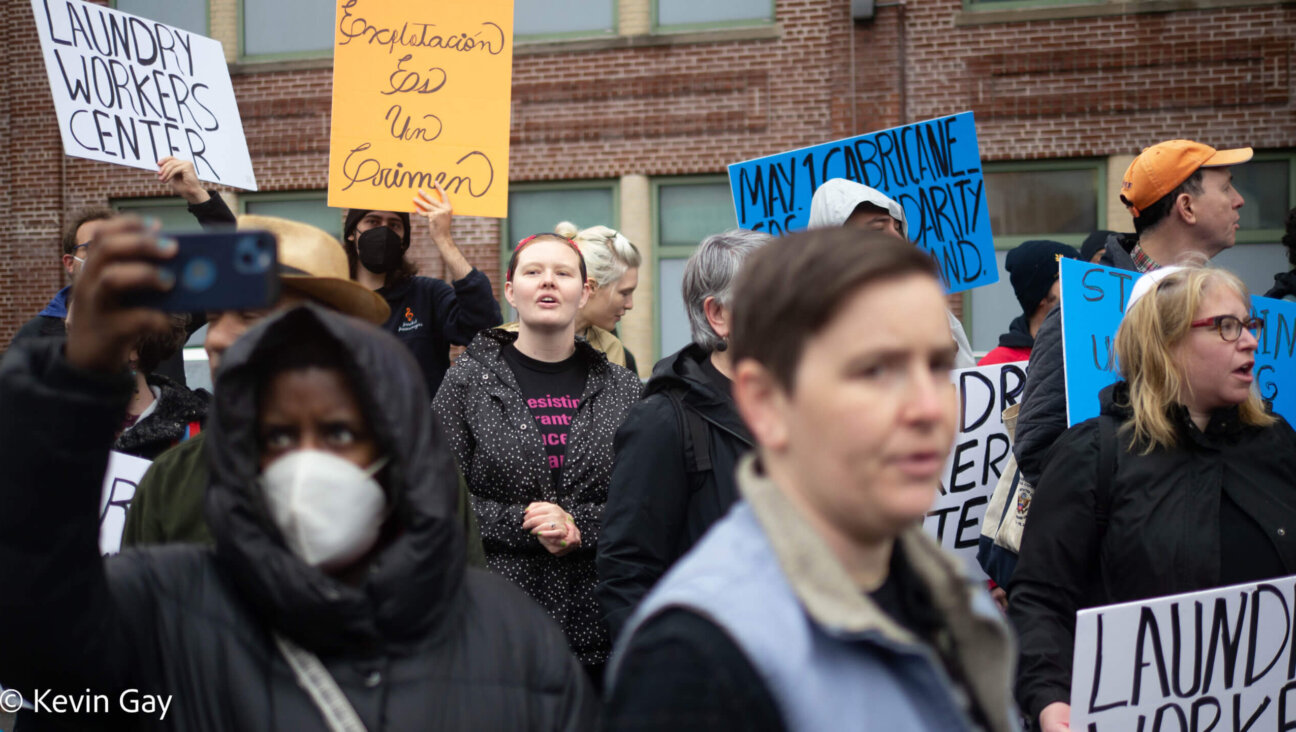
(1229, 326)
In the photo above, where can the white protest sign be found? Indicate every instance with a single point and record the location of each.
(980, 454)
(131, 91)
(1219, 659)
(123, 476)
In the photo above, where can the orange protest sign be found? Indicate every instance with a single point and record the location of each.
(421, 93)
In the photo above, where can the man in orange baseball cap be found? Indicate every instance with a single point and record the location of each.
(1181, 196)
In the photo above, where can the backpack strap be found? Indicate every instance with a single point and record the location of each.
(1106, 472)
(696, 433)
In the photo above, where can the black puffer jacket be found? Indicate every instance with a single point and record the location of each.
(1043, 414)
(1163, 530)
(176, 411)
(657, 507)
(493, 435)
(420, 645)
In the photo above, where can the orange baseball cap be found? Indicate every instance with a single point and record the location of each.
(1161, 168)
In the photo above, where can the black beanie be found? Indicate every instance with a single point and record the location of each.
(1092, 243)
(353, 220)
(1032, 269)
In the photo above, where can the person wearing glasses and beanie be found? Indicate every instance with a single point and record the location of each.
(531, 415)
(1195, 494)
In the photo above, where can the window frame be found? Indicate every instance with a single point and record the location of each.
(206, 15)
(983, 5)
(245, 57)
(1270, 236)
(674, 251)
(656, 27)
(506, 246)
(578, 35)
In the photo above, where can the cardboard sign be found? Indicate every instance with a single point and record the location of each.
(1093, 305)
(1214, 660)
(131, 91)
(932, 168)
(980, 454)
(120, 481)
(421, 93)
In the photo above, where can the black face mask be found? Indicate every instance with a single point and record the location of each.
(380, 249)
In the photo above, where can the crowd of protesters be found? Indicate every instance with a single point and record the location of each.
(355, 531)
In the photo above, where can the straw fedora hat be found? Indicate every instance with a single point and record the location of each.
(314, 264)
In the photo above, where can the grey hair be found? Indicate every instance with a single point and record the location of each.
(711, 272)
(607, 253)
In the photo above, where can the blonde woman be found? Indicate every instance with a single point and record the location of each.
(1197, 492)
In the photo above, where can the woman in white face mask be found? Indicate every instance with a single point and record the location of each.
(336, 595)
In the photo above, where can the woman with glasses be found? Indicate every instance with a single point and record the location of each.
(1185, 481)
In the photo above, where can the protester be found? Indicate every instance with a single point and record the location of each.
(427, 314)
(337, 587)
(841, 202)
(1181, 197)
(530, 416)
(77, 234)
(160, 413)
(1095, 245)
(818, 602)
(168, 503)
(677, 449)
(1033, 271)
(1195, 494)
(1285, 282)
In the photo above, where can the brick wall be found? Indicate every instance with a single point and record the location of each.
(1040, 89)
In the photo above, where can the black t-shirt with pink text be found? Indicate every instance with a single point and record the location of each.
(552, 392)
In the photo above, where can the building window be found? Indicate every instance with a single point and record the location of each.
(308, 207)
(1268, 187)
(287, 28)
(1062, 200)
(191, 15)
(538, 208)
(688, 211)
(690, 14)
(545, 19)
(173, 213)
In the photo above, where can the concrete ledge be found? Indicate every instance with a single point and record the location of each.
(612, 43)
(989, 15)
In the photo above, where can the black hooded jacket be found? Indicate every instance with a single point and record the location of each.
(1163, 532)
(1284, 286)
(421, 644)
(660, 502)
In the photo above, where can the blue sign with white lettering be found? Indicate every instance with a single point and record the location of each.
(1093, 305)
(932, 168)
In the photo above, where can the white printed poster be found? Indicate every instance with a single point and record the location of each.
(980, 454)
(123, 476)
(131, 91)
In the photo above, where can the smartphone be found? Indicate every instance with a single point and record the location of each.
(218, 270)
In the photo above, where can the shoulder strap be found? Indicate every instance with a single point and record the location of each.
(696, 432)
(311, 675)
(1106, 471)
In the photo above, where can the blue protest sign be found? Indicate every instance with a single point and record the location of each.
(1275, 366)
(1093, 304)
(932, 168)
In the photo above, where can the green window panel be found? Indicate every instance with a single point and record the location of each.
(686, 14)
(310, 209)
(287, 28)
(173, 213)
(191, 15)
(534, 19)
(688, 211)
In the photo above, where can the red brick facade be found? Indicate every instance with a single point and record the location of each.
(1086, 86)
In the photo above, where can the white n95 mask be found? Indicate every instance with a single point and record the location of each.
(329, 510)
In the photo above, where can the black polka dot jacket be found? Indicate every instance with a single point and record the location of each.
(494, 437)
